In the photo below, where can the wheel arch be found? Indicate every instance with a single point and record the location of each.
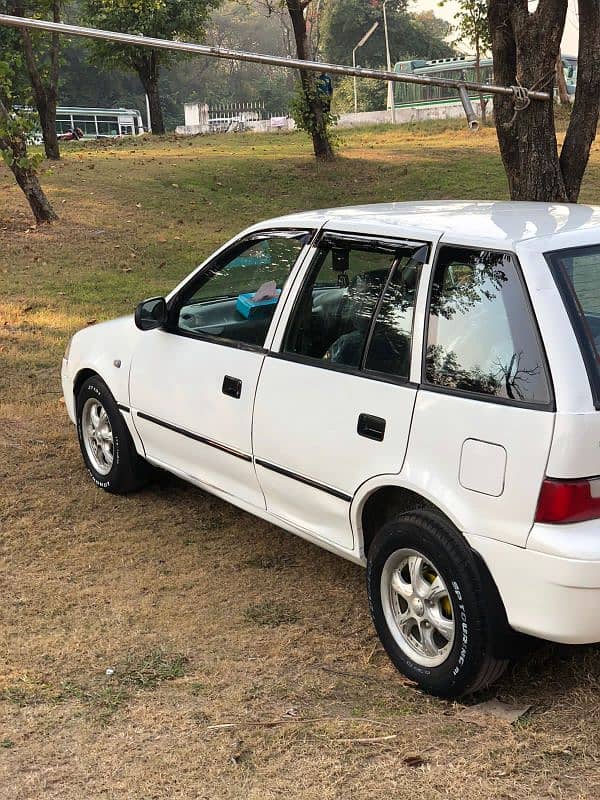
(81, 376)
(384, 501)
(379, 501)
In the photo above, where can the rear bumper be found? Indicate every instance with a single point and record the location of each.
(547, 593)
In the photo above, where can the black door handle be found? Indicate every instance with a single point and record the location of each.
(371, 427)
(232, 387)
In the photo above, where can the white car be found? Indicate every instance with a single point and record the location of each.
(413, 386)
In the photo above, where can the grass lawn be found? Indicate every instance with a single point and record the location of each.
(204, 614)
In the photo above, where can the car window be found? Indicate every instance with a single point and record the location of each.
(481, 334)
(582, 268)
(577, 272)
(235, 298)
(389, 347)
(332, 316)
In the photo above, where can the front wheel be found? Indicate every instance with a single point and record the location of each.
(106, 445)
(428, 606)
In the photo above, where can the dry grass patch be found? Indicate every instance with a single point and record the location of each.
(206, 615)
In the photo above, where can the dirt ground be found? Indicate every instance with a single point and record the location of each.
(135, 629)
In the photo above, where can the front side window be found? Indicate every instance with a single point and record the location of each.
(481, 334)
(236, 296)
(348, 285)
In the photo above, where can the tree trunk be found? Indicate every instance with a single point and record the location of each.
(39, 203)
(148, 69)
(584, 117)
(525, 47)
(320, 140)
(26, 176)
(561, 83)
(47, 113)
(45, 94)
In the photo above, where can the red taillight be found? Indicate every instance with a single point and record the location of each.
(568, 501)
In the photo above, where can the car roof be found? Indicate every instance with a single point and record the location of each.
(501, 224)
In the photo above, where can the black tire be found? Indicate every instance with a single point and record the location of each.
(470, 663)
(129, 471)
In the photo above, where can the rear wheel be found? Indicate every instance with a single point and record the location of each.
(105, 442)
(428, 607)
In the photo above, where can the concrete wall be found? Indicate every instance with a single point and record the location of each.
(403, 115)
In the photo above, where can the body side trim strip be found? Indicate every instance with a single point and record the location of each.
(308, 481)
(196, 437)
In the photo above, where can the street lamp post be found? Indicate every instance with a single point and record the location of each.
(360, 44)
(391, 103)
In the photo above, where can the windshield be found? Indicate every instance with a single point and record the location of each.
(577, 272)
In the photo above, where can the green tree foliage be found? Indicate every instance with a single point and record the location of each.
(344, 22)
(372, 95)
(165, 19)
(214, 81)
(17, 125)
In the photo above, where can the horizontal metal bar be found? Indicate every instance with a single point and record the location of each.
(257, 58)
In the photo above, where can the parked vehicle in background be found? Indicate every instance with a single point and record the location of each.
(414, 387)
(408, 95)
(99, 123)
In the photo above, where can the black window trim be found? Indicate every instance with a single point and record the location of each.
(199, 279)
(576, 316)
(360, 242)
(425, 385)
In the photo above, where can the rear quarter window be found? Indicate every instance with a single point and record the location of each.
(481, 336)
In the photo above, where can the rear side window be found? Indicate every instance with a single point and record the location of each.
(481, 334)
(355, 310)
(332, 319)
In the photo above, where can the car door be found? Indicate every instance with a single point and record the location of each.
(334, 401)
(193, 382)
(485, 407)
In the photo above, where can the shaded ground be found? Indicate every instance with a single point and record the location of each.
(207, 615)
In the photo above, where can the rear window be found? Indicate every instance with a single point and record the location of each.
(577, 273)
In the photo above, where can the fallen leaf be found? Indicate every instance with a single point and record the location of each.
(493, 710)
(414, 760)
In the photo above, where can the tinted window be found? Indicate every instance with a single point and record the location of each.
(582, 268)
(236, 296)
(333, 315)
(390, 344)
(481, 335)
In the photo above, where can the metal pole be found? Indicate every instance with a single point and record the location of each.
(149, 128)
(259, 58)
(354, 82)
(391, 100)
(472, 120)
(364, 39)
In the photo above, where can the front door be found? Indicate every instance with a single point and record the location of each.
(192, 385)
(334, 403)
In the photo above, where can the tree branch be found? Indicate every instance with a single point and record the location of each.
(584, 117)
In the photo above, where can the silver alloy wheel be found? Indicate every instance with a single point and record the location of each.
(97, 435)
(417, 607)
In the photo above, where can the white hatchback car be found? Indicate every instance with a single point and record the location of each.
(414, 387)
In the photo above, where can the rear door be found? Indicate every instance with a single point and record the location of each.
(484, 418)
(334, 401)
